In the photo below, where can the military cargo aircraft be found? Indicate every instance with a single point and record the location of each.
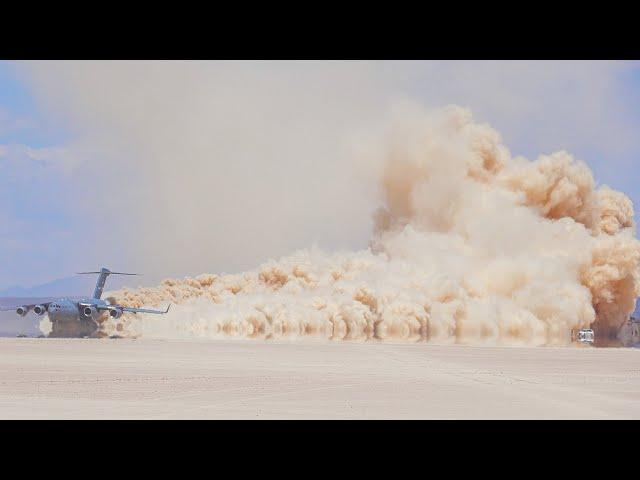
(78, 317)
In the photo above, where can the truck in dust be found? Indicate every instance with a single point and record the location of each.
(584, 335)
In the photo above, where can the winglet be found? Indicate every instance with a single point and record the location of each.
(167, 310)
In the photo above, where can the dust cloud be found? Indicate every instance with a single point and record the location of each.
(470, 245)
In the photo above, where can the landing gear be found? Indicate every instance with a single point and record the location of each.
(85, 328)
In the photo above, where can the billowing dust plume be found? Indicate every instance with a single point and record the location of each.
(470, 245)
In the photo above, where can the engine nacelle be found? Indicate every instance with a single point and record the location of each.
(40, 309)
(23, 310)
(89, 312)
(115, 313)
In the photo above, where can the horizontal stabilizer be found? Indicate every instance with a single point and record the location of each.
(110, 273)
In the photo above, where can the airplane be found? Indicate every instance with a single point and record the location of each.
(79, 316)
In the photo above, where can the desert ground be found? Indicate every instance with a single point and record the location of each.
(237, 379)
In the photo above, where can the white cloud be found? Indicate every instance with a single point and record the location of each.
(22, 161)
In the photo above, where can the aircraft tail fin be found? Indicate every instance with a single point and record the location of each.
(103, 274)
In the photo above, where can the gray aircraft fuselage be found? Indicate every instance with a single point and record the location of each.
(69, 317)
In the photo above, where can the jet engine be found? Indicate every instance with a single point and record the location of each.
(40, 309)
(89, 312)
(115, 313)
(22, 311)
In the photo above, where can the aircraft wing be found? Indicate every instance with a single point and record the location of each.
(11, 303)
(144, 310)
(29, 304)
(132, 310)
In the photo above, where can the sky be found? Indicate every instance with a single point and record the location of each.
(179, 168)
